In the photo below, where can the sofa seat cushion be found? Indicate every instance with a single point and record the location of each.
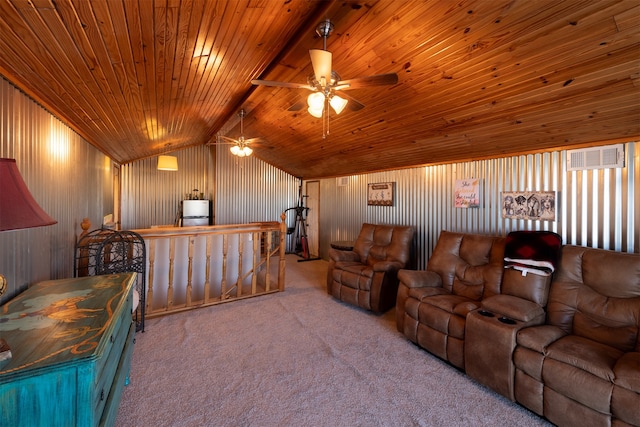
(590, 356)
(440, 314)
(577, 384)
(356, 268)
(627, 372)
(447, 303)
(356, 276)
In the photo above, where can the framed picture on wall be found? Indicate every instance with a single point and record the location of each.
(381, 194)
(535, 205)
(467, 193)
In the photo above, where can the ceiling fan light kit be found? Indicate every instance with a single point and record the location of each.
(324, 82)
(241, 151)
(239, 147)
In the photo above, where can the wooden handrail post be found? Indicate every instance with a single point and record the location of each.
(152, 258)
(172, 252)
(283, 232)
(207, 275)
(190, 270)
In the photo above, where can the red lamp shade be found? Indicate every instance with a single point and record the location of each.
(18, 209)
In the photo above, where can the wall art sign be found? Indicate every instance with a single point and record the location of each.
(380, 194)
(467, 193)
(535, 205)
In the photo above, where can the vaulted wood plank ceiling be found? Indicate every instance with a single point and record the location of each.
(476, 78)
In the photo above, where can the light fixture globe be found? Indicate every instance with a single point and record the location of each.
(315, 113)
(235, 150)
(315, 101)
(338, 103)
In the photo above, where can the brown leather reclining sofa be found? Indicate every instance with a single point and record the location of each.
(564, 345)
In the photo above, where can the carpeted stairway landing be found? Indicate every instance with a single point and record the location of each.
(298, 358)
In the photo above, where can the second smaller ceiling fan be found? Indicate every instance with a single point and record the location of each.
(240, 147)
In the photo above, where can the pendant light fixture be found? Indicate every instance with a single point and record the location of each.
(167, 163)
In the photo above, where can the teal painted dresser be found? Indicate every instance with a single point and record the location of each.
(71, 341)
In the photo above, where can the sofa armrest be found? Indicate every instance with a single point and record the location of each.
(420, 279)
(386, 266)
(514, 308)
(538, 338)
(339, 256)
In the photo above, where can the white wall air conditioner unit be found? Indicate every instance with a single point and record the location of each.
(610, 156)
(342, 181)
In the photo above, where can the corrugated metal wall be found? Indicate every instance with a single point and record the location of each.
(152, 197)
(68, 177)
(243, 189)
(596, 208)
(249, 190)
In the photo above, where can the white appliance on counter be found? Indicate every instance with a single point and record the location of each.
(195, 212)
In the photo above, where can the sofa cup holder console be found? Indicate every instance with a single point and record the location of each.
(506, 320)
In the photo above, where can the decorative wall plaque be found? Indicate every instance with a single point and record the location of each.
(536, 205)
(380, 194)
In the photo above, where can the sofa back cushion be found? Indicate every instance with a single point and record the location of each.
(595, 294)
(470, 265)
(384, 243)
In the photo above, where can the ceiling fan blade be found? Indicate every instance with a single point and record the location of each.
(254, 141)
(226, 140)
(282, 84)
(321, 61)
(297, 106)
(376, 80)
(259, 145)
(353, 104)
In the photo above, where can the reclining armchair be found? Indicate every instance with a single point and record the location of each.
(432, 305)
(367, 276)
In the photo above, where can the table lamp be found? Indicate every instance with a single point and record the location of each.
(18, 210)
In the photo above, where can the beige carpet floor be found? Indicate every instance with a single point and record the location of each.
(298, 358)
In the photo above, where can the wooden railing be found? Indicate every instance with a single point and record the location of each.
(190, 267)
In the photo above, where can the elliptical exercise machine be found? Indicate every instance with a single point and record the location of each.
(300, 228)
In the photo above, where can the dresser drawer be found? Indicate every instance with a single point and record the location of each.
(121, 379)
(107, 365)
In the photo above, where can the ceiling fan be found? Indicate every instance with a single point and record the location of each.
(241, 146)
(325, 83)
